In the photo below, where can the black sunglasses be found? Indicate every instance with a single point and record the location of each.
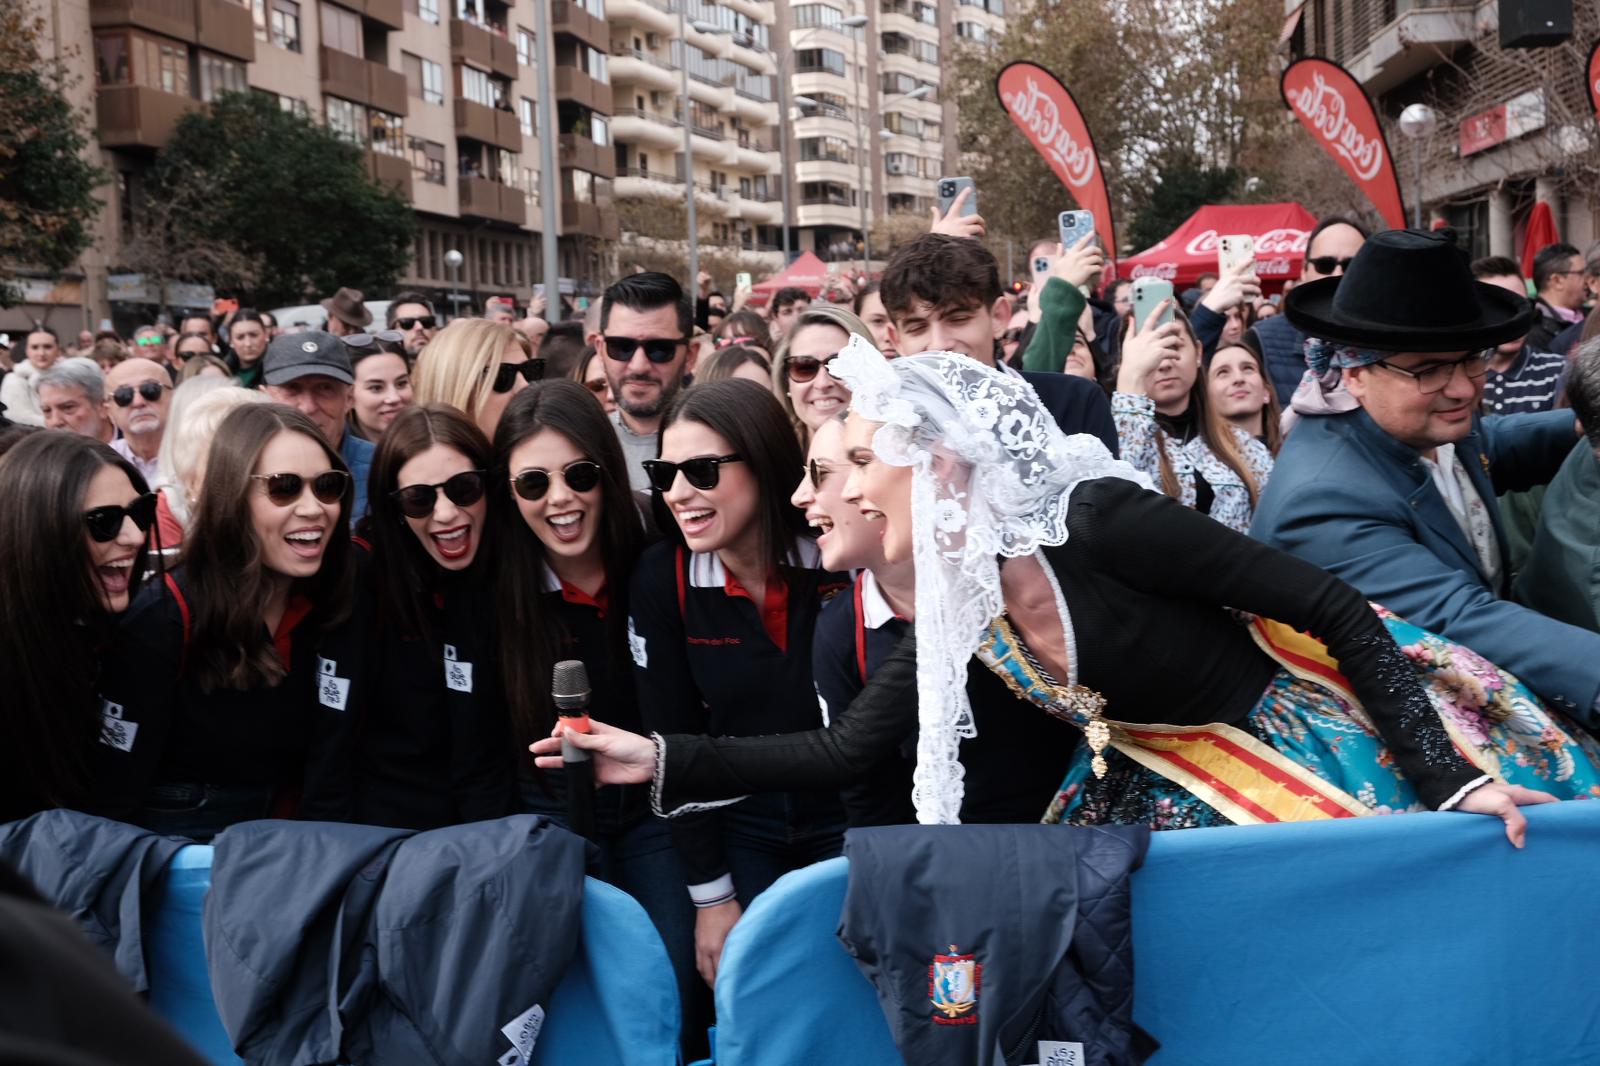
(122, 395)
(463, 490)
(703, 471)
(384, 340)
(581, 475)
(818, 471)
(803, 368)
(505, 375)
(425, 321)
(656, 349)
(285, 489)
(1327, 264)
(106, 522)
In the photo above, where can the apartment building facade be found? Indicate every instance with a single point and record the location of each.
(443, 101)
(1514, 126)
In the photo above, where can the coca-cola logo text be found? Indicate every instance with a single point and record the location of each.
(1164, 271)
(1274, 241)
(1037, 113)
(1326, 111)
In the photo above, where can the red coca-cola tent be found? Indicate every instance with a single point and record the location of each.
(1280, 231)
(806, 272)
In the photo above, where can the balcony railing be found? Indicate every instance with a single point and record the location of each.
(649, 116)
(706, 132)
(648, 58)
(649, 175)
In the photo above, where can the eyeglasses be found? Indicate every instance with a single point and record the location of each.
(803, 368)
(425, 321)
(284, 489)
(703, 471)
(1434, 377)
(358, 341)
(150, 340)
(1327, 264)
(656, 349)
(505, 375)
(581, 475)
(818, 471)
(417, 501)
(122, 395)
(106, 522)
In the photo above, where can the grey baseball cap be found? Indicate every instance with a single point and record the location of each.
(298, 355)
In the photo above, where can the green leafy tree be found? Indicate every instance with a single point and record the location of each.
(1183, 186)
(47, 201)
(287, 194)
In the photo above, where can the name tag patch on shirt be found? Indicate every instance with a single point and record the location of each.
(641, 658)
(114, 731)
(457, 674)
(333, 691)
(523, 1032)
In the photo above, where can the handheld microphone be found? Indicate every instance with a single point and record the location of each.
(569, 689)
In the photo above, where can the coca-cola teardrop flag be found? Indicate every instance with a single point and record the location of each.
(1330, 103)
(1048, 116)
(1594, 78)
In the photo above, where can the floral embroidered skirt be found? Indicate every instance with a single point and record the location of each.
(1489, 709)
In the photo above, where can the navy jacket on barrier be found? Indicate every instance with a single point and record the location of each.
(383, 946)
(984, 940)
(96, 870)
(1355, 501)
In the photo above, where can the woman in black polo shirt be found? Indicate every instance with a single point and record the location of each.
(221, 698)
(721, 629)
(426, 752)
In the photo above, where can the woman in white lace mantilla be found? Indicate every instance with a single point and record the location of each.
(1108, 614)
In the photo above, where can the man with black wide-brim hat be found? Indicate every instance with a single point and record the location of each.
(1393, 488)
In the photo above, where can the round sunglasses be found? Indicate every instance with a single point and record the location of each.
(105, 523)
(803, 368)
(122, 395)
(581, 475)
(463, 490)
(505, 375)
(284, 489)
(703, 471)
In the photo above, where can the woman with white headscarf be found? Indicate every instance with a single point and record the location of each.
(1107, 605)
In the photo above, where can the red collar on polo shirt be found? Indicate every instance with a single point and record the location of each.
(573, 594)
(774, 608)
(283, 640)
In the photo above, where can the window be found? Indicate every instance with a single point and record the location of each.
(818, 15)
(819, 60)
(111, 65)
(258, 16)
(503, 166)
(582, 182)
(831, 149)
(829, 105)
(293, 105)
(411, 67)
(347, 120)
(705, 119)
(475, 86)
(388, 133)
(427, 159)
(530, 184)
(527, 47)
(597, 8)
(286, 24)
(428, 11)
(594, 64)
(526, 117)
(341, 29)
(218, 76)
(972, 31)
(432, 82)
(158, 65)
(600, 130)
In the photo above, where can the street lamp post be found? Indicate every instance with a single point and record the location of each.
(1417, 122)
(453, 259)
(859, 22)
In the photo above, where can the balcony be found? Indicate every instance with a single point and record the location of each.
(132, 116)
(762, 212)
(754, 159)
(754, 111)
(634, 183)
(589, 219)
(226, 27)
(488, 124)
(756, 10)
(827, 213)
(170, 18)
(391, 170)
(631, 126)
(483, 49)
(658, 16)
(567, 17)
(353, 78)
(493, 200)
(577, 86)
(390, 13)
(640, 68)
(1424, 35)
(584, 154)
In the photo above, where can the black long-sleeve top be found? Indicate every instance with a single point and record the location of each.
(706, 661)
(159, 727)
(1144, 580)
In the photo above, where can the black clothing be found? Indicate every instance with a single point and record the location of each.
(1547, 326)
(1013, 766)
(1145, 579)
(706, 663)
(1077, 404)
(159, 729)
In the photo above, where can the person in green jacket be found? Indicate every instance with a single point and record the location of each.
(1064, 338)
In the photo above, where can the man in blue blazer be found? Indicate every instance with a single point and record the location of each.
(1397, 496)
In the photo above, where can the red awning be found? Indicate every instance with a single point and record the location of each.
(1280, 231)
(806, 272)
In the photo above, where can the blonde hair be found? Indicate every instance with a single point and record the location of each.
(457, 366)
(820, 315)
(198, 407)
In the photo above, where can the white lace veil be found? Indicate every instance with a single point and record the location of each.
(992, 473)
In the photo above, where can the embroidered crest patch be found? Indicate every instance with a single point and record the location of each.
(953, 982)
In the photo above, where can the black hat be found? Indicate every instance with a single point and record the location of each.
(297, 355)
(1409, 291)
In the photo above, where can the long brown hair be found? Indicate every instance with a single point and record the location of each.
(1271, 412)
(405, 570)
(222, 558)
(54, 617)
(530, 641)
